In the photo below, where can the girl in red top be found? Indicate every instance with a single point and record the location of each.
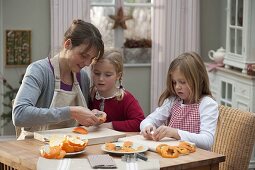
(108, 95)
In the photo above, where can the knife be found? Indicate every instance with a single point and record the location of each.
(131, 157)
(141, 156)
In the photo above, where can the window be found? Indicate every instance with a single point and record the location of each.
(236, 26)
(136, 15)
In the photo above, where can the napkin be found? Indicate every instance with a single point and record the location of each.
(62, 164)
(102, 161)
(83, 163)
(213, 66)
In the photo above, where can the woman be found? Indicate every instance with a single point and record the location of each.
(54, 91)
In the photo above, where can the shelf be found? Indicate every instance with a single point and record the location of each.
(138, 65)
(235, 71)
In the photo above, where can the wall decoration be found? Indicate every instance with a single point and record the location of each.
(18, 47)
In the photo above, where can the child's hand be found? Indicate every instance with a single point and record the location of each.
(148, 131)
(165, 131)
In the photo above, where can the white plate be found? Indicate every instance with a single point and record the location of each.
(135, 145)
(75, 153)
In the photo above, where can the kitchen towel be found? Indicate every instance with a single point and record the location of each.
(83, 163)
(104, 161)
(213, 66)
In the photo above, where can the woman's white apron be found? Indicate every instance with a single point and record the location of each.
(60, 98)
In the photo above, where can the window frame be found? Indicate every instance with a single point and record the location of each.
(119, 39)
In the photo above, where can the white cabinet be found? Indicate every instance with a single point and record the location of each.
(232, 88)
(240, 43)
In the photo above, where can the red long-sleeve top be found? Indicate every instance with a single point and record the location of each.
(125, 115)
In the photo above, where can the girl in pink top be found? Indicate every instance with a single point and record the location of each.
(123, 110)
(186, 109)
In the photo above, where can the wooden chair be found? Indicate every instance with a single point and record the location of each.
(234, 138)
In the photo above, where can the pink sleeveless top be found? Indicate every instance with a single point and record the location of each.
(185, 117)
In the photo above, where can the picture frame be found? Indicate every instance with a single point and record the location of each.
(18, 47)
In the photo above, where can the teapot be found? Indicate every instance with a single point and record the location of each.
(217, 56)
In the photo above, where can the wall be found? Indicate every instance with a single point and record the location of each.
(1, 58)
(33, 15)
(137, 81)
(212, 25)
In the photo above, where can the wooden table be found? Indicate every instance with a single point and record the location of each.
(23, 155)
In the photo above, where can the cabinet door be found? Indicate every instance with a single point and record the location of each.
(235, 94)
(214, 85)
(226, 91)
(242, 96)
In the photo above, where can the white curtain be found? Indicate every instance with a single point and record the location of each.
(175, 29)
(62, 14)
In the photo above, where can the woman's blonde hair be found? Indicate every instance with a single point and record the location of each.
(193, 68)
(116, 59)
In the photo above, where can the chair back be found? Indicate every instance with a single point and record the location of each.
(234, 137)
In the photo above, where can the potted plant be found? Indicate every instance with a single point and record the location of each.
(8, 95)
(137, 51)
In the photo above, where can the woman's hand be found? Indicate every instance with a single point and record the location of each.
(100, 115)
(148, 131)
(84, 116)
(165, 131)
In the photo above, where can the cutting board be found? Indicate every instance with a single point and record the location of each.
(96, 135)
(150, 143)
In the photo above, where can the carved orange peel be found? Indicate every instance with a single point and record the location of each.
(167, 151)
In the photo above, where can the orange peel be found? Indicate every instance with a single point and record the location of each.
(128, 144)
(189, 146)
(169, 152)
(80, 130)
(158, 148)
(54, 152)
